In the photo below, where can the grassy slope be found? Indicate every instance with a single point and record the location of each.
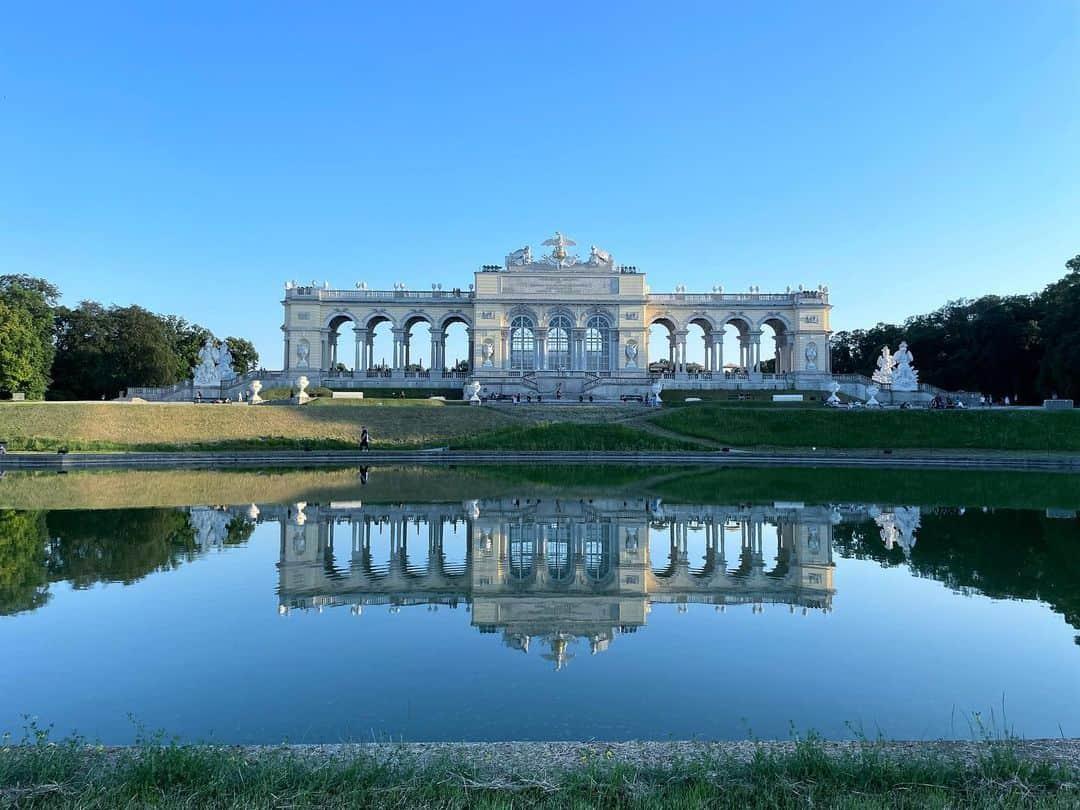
(984, 430)
(102, 426)
(394, 423)
(70, 774)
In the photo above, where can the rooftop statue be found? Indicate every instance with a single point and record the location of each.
(599, 258)
(559, 257)
(519, 258)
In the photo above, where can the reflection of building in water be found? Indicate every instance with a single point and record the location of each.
(555, 570)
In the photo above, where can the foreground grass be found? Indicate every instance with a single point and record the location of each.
(808, 775)
(1000, 429)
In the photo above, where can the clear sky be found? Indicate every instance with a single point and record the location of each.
(192, 158)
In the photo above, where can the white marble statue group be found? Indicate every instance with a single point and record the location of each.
(215, 364)
(560, 257)
(895, 370)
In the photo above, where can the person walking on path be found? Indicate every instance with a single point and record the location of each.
(365, 440)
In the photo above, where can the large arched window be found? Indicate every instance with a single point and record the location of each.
(598, 344)
(522, 344)
(598, 539)
(522, 542)
(558, 343)
(557, 536)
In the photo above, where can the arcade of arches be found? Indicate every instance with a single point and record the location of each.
(559, 322)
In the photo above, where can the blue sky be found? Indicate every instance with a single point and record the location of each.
(192, 158)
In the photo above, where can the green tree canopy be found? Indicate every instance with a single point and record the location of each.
(26, 344)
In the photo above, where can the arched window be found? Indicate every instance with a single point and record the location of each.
(558, 343)
(522, 344)
(557, 536)
(598, 538)
(597, 344)
(522, 550)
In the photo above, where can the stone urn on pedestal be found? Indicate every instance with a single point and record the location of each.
(654, 390)
(471, 393)
(302, 397)
(255, 388)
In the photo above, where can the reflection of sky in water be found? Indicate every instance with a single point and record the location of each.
(204, 650)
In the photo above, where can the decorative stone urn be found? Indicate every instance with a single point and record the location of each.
(472, 393)
(302, 396)
(872, 391)
(656, 388)
(255, 388)
(833, 399)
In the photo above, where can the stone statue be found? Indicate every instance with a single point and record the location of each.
(225, 363)
(599, 258)
(885, 363)
(255, 388)
(811, 356)
(519, 258)
(206, 372)
(487, 351)
(904, 377)
(631, 354)
(559, 256)
(302, 352)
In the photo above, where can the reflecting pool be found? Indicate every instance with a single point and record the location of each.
(470, 605)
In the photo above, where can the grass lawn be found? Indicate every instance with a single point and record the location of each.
(72, 774)
(998, 429)
(395, 423)
(321, 424)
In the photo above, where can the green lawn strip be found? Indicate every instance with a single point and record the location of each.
(984, 430)
(72, 774)
(565, 436)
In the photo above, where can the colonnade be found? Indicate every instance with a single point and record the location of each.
(402, 352)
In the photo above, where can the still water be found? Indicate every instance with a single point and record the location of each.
(533, 612)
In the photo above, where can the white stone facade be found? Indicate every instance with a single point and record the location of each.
(558, 323)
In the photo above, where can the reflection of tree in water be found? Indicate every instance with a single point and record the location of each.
(89, 546)
(116, 545)
(23, 581)
(1003, 553)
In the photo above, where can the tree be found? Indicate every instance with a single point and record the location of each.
(34, 298)
(1060, 371)
(244, 356)
(21, 353)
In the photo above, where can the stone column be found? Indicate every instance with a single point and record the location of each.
(718, 351)
(613, 352)
(324, 349)
(541, 348)
(288, 353)
(577, 349)
(399, 352)
(472, 349)
(682, 351)
(361, 354)
(505, 335)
